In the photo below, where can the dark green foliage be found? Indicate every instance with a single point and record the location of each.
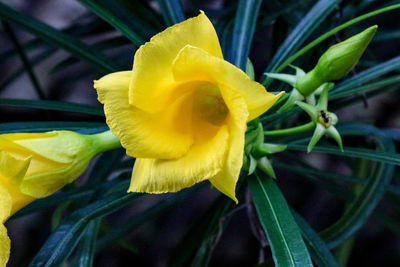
(281, 33)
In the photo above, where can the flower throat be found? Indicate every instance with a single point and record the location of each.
(209, 105)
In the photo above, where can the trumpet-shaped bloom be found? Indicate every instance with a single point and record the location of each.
(182, 110)
(35, 165)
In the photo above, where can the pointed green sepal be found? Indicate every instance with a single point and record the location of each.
(318, 133)
(311, 99)
(333, 132)
(274, 148)
(264, 165)
(299, 72)
(252, 165)
(261, 150)
(246, 162)
(253, 132)
(287, 78)
(334, 117)
(321, 88)
(260, 135)
(311, 110)
(294, 96)
(323, 99)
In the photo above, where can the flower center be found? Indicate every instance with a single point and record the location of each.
(209, 105)
(324, 118)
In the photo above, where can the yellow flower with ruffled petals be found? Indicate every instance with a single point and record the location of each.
(182, 110)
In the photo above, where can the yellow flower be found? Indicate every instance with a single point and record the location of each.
(182, 110)
(35, 165)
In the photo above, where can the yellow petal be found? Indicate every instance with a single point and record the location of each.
(12, 171)
(203, 161)
(56, 146)
(40, 163)
(195, 64)
(5, 246)
(162, 135)
(5, 204)
(56, 159)
(226, 180)
(152, 82)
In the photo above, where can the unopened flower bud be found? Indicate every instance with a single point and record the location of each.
(336, 62)
(56, 158)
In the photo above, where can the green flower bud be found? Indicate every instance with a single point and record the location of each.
(336, 62)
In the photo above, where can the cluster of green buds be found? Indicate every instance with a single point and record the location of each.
(256, 151)
(333, 65)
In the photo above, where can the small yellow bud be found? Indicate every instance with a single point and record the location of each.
(56, 158)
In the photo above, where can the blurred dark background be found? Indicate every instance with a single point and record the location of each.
(63, 78)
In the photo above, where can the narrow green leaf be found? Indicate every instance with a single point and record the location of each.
(139, 15)
(202, 234)
(58, 214)
(303, 30)
(105, 165)
(318, 249)
(366, 201)
(369, 154)
(53, 105)
(43, 126)
(388, 222)
(326, 175)
(103, 45)
(87, 248)
(64, 239)
(80, 193)
(285, 10)
(361, 98)
(225, 31)
(357, 89)
(57, 38)
(25, 60)
(360, 209)
(137, 220)
(243, 31)
(35, 60)
(56, 199)
(171, 11)
(288, 248)
(392, 133)
(367, 75)
(329, 185)
(386, 36)
(113, 20)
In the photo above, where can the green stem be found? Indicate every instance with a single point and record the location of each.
(105, 141)
(332, 32)
(343, 252)
(294, 130)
